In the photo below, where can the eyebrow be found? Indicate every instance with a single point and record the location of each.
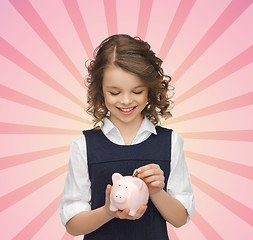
(139, 86)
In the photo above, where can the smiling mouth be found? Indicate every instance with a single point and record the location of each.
(126, 110)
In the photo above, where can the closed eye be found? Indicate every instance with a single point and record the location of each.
(114, 94)
(138, 92)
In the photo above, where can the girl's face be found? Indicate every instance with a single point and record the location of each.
(125, 96)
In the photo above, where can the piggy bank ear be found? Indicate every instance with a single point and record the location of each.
(116, 177)
(138, 182)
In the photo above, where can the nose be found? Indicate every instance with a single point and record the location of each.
(119, 196)
(126, 99)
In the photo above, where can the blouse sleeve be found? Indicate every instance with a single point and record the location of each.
(179, 183)
(77, 194)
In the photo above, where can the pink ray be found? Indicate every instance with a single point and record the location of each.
(242, 211)
(233, 135)
(204, 227)
(233, 103)
(13, 197)
(111, 16)
(10, 161)
(12, 128)
(228, 17)
(28, 12)
(67, 236)
(183, 10)
(37, 223)
(144, 15)
(232, 167)
(23, 62)
(15, 96)
(240, 61)
(171, 233)
(79, 24)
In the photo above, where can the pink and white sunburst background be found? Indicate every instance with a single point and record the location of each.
(207, 48)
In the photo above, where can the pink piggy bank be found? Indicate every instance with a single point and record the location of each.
(128, 192)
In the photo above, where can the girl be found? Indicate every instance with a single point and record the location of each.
(128, 94)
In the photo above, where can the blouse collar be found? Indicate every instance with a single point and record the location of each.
(146, 125)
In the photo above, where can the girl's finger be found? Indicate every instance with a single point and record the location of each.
(140, 211)
(123, 214)
(107, 193)
(150, 172)
(108, 190)
(153, 178)
(157, 184)
(147, 167)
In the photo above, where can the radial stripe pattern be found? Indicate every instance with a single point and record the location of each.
(207, 48)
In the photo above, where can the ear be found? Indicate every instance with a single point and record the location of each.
(138, 182)
(116, 177)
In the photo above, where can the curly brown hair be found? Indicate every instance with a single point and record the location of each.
(135, 56)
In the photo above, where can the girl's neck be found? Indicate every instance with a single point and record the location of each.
(129, 130)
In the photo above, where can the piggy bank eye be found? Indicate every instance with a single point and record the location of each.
(119, 185)
(126, 187)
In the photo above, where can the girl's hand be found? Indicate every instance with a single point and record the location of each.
(153, 176)
(124, 213)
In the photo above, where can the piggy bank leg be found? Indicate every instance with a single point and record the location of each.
(112, 208)
(132, 213)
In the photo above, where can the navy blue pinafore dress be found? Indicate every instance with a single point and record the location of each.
(105, 158)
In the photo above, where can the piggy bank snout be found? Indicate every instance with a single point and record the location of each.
(119, 196)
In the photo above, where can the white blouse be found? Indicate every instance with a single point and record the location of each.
(77, 193)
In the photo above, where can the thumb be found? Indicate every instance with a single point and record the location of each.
(107, 194)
